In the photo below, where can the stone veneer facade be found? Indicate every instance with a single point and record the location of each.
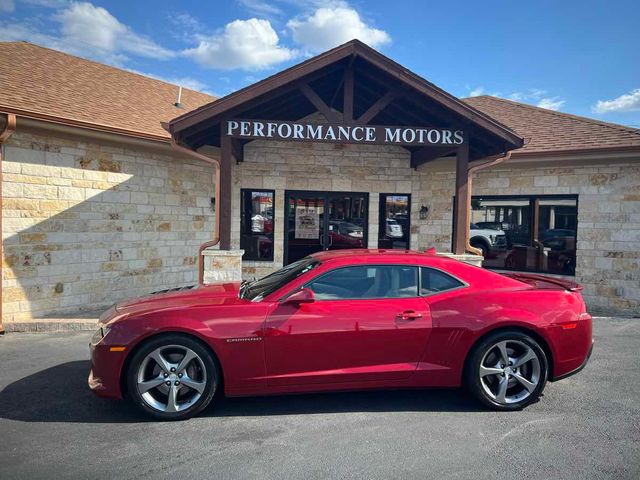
(608, 258)
(87, 222)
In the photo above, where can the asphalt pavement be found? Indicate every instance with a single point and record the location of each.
(586, 426)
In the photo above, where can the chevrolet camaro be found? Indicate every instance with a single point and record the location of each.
(344, 320)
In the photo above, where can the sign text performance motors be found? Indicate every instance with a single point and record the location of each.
(335, 133)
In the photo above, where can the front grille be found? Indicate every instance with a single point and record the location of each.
(501, 240)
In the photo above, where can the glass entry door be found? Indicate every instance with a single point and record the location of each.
(318, 221)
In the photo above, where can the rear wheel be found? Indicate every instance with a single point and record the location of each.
(172, 377)
(507, 370)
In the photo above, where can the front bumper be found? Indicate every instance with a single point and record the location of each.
(106, 365)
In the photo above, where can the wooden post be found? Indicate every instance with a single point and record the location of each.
(224, 202)
(461, 210)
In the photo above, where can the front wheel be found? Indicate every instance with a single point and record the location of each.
(507, 371)
(172, 377)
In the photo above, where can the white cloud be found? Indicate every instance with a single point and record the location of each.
(86, 26)
(629, 102)
(331, 26)
(87, 30)
(551, 103)
(247, 44)
(476, 92)
(48, 3)
(7, 6)
(261, 8)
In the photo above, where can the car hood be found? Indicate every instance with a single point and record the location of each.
(221, 293)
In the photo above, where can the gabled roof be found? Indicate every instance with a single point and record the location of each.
(547, 131)
(275, 97)
(46, 84)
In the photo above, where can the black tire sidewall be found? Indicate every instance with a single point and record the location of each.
(211, 368)
(472, 380)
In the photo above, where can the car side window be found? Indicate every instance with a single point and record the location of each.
(366, 282)
(434, 281)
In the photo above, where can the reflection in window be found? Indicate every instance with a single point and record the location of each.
(367, 282)
(394, 221)
(434, 281)
(528, 233)
(256, 228)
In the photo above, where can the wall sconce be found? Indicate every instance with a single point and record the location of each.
(424, 212)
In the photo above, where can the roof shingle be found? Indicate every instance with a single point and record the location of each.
(46, 82)
(547, 131)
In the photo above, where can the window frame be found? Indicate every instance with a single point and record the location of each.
(380, 212)
(531, 198)
(463, 284)
(273, 220)
(368, 265)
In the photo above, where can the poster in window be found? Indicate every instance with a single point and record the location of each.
(307, 222)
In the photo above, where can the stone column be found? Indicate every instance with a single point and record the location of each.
(222, 265)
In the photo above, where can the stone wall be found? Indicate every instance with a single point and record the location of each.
(87, 222)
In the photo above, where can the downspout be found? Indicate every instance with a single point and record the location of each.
(7, 131)
(216, 226)
(470, 172)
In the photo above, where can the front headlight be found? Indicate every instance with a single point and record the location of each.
(100, 334)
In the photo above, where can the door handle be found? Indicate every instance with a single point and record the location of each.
(409, 315)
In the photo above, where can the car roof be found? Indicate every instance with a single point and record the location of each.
(370, 253)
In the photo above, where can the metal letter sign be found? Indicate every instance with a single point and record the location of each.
(335, 133)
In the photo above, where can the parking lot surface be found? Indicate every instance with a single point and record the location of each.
(586, 426)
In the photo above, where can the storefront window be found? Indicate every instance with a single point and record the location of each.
(394, 222)
(256, 228)
(526, 233)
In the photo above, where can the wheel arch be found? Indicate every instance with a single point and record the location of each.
(519, 328)
(165, 333)
(480, 239)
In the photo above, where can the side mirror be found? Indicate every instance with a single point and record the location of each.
(304, 295)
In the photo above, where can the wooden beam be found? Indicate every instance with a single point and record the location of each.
(462, 207)
(224, 202)
(317, 102)
(377, 107)
(427, 154)
(347, 109)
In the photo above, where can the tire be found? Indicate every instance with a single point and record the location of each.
(162, 387)
(512, 384)
(482, 246)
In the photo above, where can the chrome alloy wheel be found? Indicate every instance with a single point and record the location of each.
(171, 378)
(509, 371)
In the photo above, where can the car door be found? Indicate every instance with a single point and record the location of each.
(367, 323)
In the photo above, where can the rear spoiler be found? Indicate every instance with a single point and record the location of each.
(536, 280)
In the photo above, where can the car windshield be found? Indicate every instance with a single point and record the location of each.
(259, 289)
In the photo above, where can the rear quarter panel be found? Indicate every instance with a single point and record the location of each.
(461, 318)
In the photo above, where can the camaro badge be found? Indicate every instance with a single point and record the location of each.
(244, 339)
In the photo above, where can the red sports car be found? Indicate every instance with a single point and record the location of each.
(344, 320)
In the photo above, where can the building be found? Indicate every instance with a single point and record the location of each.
(345, 150)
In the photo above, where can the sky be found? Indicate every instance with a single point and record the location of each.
(575, 56)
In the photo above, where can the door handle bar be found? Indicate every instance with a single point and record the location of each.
(409, 315)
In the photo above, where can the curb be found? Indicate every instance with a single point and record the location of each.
(52, 325)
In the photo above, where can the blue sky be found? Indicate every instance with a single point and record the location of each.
(580, 57)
